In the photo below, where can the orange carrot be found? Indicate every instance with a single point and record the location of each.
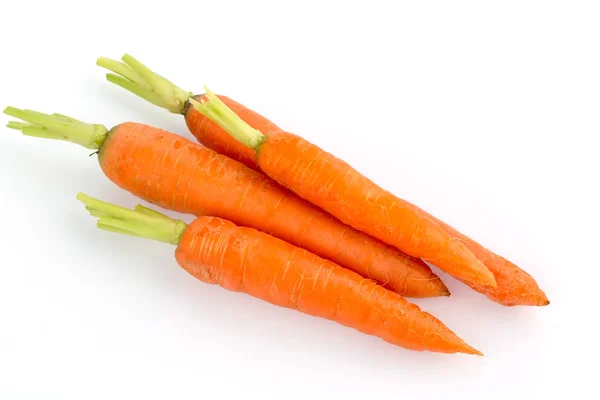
(514, 286)
(174, 173)
(337, 188)
(241, 259)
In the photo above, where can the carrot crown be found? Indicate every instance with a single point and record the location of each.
(57, 126)
(215, 110)
(135, 77)
(141, 221)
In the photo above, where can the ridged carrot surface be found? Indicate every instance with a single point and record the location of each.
(177, 174)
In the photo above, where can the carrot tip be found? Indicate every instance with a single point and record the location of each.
(545, 302)
(488, 279)
(444, 291)
(478, 353)
(466, 349)
(541, 300)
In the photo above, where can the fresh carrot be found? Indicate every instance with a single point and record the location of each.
(242, 259)
(342, 191)
(177, 174)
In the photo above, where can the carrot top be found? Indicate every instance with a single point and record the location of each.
(141, 221)
(218, 112)
(57, 126)
(135, 77)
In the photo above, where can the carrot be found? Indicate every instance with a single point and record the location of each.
(514, 285)
(177, 174)
(242, 259)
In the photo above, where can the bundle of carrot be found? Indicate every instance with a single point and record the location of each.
(317, 176)
(280, 219)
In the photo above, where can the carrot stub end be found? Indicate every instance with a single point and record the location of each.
(132, 75)
(217, 111)
(57, 126)
(140, 222)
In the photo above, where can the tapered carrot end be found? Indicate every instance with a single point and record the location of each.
(543, 301)
(485, 277)
(441, 287)
(434, 288)
(476, 352)
(466, 349)
(542, 298)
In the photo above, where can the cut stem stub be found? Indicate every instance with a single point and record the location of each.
(135, 77)
(218, 112)
(57, 126)
(141, 222)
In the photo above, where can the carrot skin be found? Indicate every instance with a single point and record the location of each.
(242, 259)
(174, 173)
(337, 188)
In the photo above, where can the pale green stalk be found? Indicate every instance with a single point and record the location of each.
(140, 222)
(57, 126)
(215, 110)
(135, 77)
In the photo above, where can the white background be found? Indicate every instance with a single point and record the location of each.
(484, 113)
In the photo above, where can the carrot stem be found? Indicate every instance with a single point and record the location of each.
(140, 222)
(135, 77)
(218, 112)
(57, 126)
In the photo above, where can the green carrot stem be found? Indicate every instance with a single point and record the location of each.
(150, 212)
(141, 222)
(58, 127)
(116, 230)
(218, 112)
(140, 80)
